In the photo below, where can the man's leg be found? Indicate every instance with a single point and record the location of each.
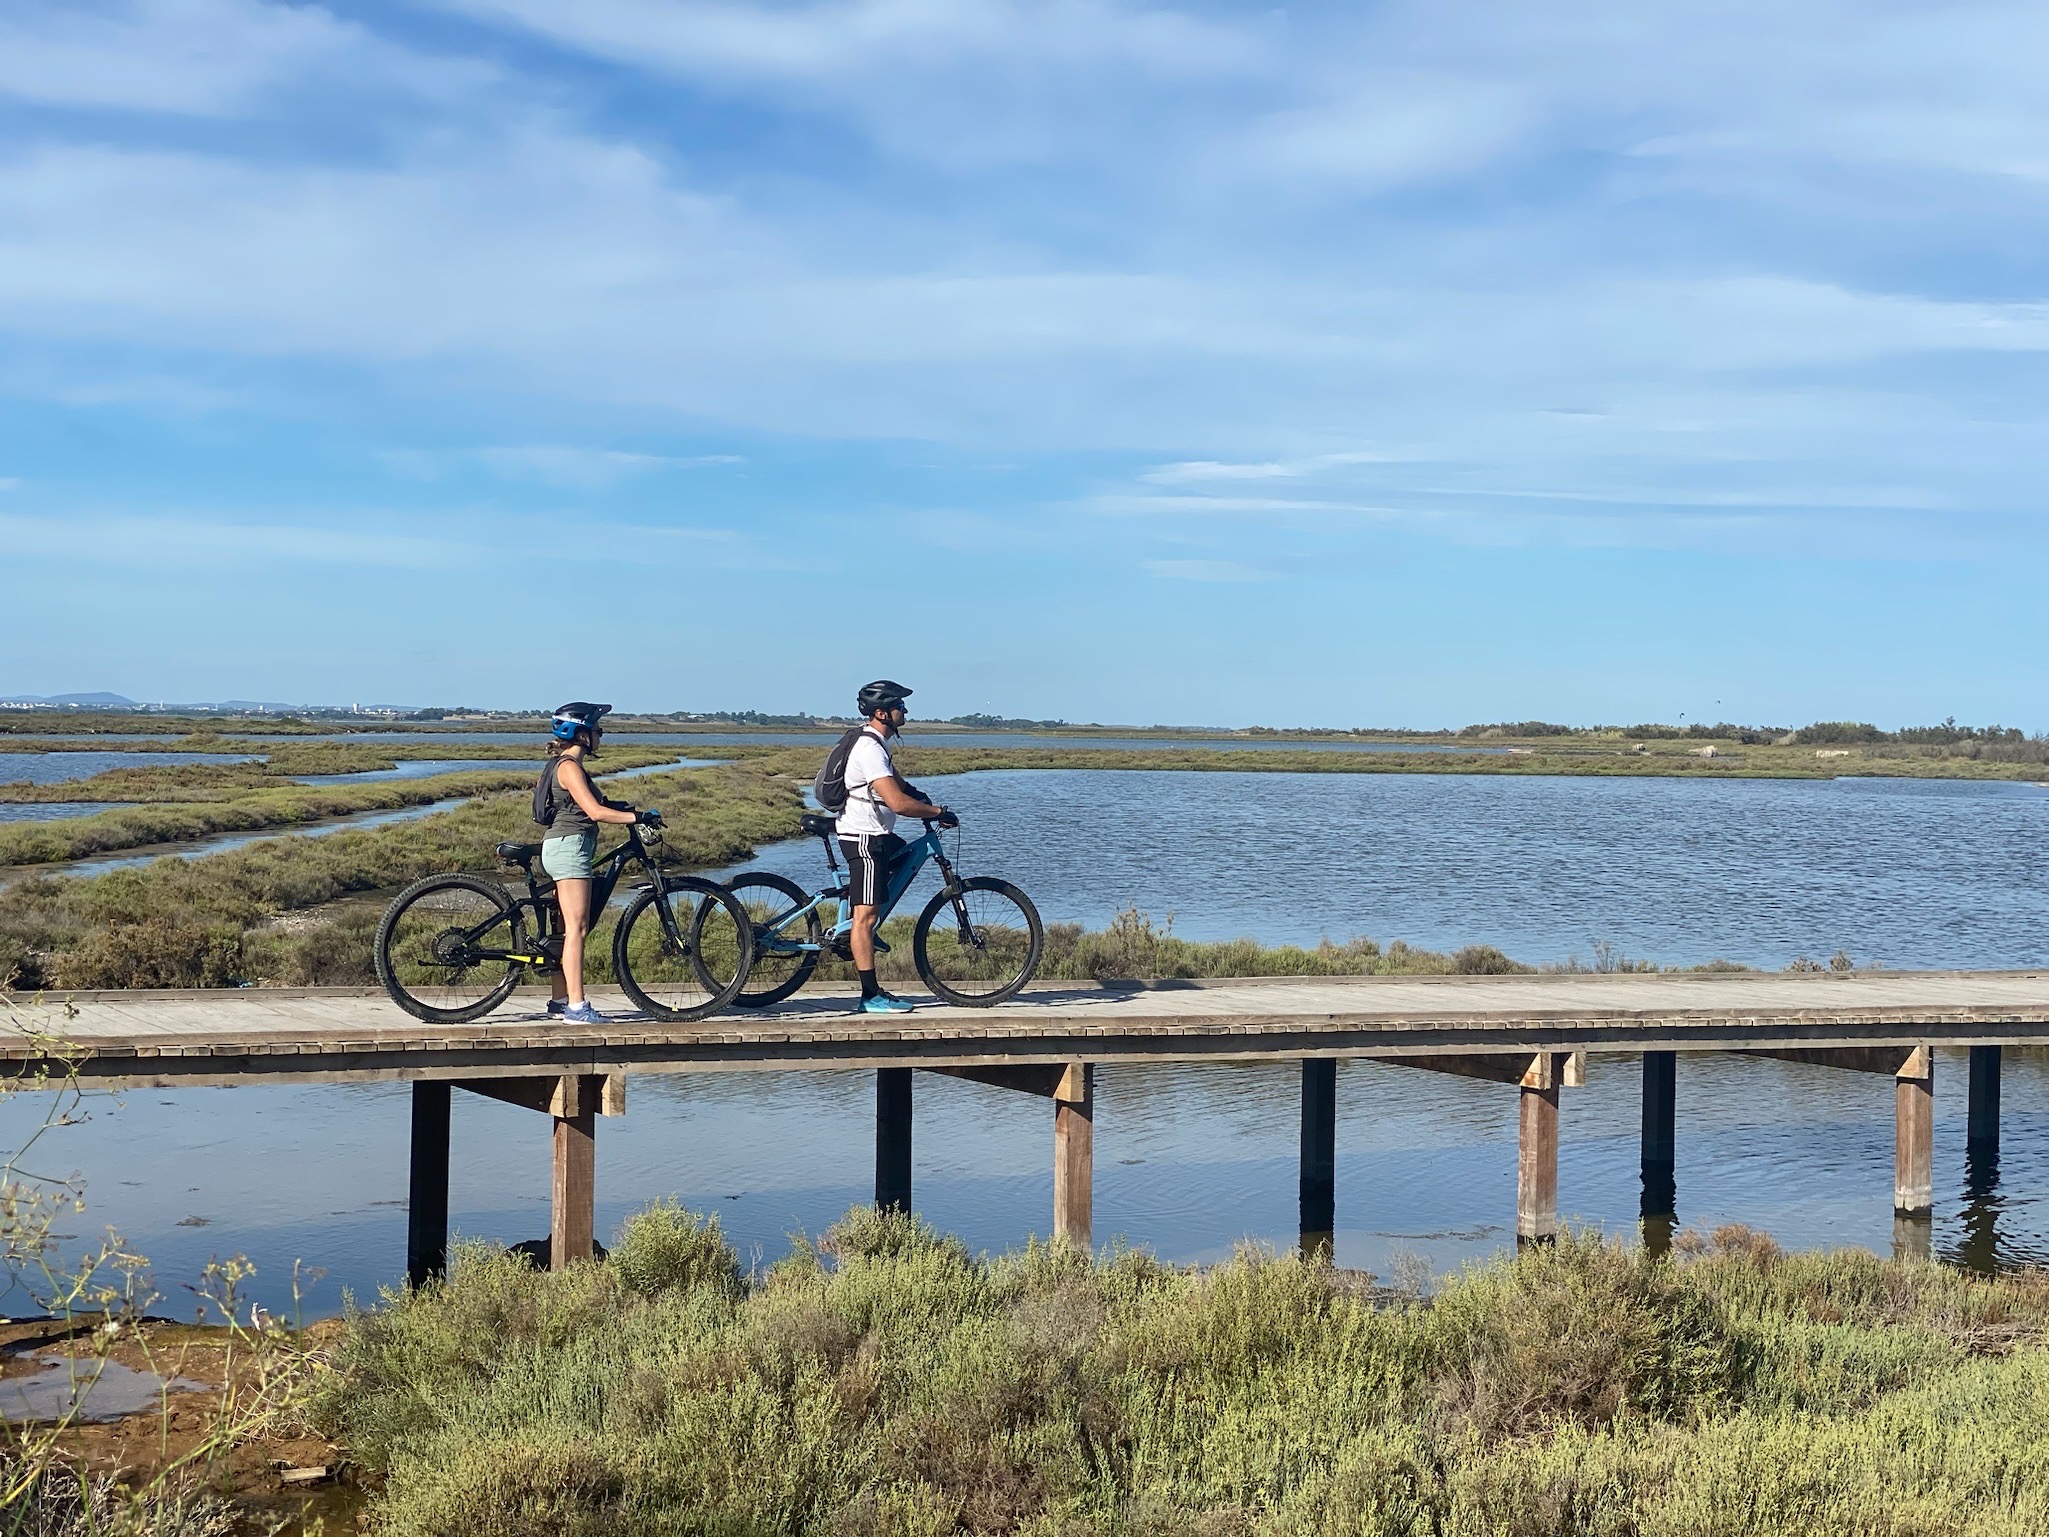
(861, 940)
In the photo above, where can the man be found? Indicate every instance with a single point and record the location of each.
(876, 797)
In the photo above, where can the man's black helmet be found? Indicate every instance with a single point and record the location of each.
(575, 716)
(880, 695)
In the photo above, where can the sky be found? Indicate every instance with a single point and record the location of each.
(1348, 364)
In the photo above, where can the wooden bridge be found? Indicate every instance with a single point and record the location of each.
(1531, 1032)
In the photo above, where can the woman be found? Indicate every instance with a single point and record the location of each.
(569, 806)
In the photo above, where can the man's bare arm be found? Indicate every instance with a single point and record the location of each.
(897, 798)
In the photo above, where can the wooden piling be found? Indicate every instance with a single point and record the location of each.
(427, 1190)
(893, 1139)
(1536, 1192)
(1981, 1132)
(1660, 1100)
(571, 1231)
(1319, 1150)
(1914, 1134)
(1074, 1154)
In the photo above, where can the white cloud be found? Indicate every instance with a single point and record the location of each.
(205, 58)
(855, 38)
(1209, 571)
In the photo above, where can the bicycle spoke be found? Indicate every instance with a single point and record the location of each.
(690, 970)
(436, 950)
(979, 945)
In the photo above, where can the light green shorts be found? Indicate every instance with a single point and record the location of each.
(569, 859)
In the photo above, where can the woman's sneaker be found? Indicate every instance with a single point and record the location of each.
(557, 1005)
(583, 1014)
(883, 1003)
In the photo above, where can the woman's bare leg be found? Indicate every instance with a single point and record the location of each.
(575, 899)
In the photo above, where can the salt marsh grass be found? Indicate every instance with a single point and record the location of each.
(884, 1380)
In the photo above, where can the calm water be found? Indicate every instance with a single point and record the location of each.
(32, 811)
(421, 768)
(1898, 872)
(49, 768)
(1191, 1160)
(822, 739)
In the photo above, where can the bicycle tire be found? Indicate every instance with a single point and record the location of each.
(400, 972)
(788, 896)
(1004, 982)
(636, 964)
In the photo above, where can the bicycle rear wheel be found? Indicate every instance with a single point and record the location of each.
(980, 947)
(698, 972)
(428, 948)
(785, 948)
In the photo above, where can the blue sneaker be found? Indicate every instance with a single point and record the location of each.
(883, 1003)
(557, 1005)
(583, 1014)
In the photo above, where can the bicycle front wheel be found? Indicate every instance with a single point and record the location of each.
(786, 945)
(442, 947)
(702, 967)
(978, 947)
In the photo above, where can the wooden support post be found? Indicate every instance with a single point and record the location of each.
(1319, 1151)
(571, 1231)
(1074, 1154)
(893, 1138)
(1536, 1169)
(1660, 1098)
(1981, 1133)
(427, 1191)
(1913, 1176)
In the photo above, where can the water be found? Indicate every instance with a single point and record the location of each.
(49, 768)
(82, 1390)
(44, 811)
(221, 843)
(422, 768)
(823, 739)
(1907, 873)
(1190, 1160)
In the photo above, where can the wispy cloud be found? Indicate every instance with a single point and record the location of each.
(1209, 571)
(565, 466)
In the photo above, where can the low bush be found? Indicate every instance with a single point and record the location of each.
(883, 1381)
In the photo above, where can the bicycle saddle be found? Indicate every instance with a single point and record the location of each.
(817, 826)
(519, 853)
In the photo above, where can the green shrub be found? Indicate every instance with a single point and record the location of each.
(665, 1248)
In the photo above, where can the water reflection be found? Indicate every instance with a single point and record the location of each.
(1190, 1161)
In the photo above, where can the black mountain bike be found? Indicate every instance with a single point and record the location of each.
(453, 947)
(976, 943)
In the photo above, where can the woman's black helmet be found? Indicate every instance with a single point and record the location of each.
(880, 695)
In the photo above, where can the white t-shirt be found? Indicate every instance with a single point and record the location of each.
(866, 811)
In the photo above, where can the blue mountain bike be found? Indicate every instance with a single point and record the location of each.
(976, 943)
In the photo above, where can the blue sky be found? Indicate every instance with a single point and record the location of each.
(1346, 364)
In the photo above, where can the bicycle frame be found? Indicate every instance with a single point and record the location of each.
(541, 902)
(773, 938)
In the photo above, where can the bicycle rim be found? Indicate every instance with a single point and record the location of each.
(781, 963)
(702, 969)
(992, 957)
(427, 943)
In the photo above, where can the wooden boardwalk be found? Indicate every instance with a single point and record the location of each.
(1527, 1031)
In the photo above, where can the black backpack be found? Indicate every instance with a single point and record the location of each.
(545, 792)
(829, 789)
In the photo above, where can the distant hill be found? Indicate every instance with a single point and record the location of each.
(114, 701)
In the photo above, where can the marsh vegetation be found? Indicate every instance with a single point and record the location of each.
(883, 1380)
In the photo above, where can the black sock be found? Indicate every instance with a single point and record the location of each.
(869, 986)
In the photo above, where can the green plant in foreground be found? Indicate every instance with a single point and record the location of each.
(884, 1380)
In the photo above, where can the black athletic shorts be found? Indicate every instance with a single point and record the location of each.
(870, 858)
